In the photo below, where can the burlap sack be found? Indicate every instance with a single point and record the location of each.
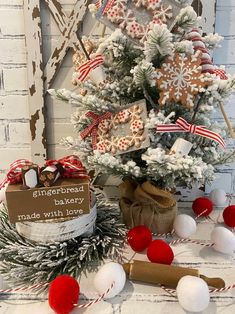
(147, 205)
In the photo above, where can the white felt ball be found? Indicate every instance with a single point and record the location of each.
(108, 274)
(218, 197)
(224, 240)
(193, 294)
(184, 226)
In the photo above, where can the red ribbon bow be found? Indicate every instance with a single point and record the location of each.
(88, 66)
(73, 168)
(14, 174)
(183, 126)
(93, 127)
(221, 74)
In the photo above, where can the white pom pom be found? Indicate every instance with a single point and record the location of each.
(218, 197)
(193, 294)
(184, 226)
(108, 274)
(224, 240)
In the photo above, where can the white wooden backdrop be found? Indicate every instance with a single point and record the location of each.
(15, 110)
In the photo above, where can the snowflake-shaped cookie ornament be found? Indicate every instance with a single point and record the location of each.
(180, 79)
(124, 14)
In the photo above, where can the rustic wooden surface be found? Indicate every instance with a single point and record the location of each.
(137, 298)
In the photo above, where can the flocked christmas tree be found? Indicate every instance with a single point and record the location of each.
(166, 64)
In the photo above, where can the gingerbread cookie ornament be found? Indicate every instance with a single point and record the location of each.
(124, 14)
(180, 79)
(126, 130)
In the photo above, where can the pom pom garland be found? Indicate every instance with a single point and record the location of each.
(160, 252)
(139, 238)
(111, 273)
(218, 197)
(224, 240)
(229, 216)
(184, 226)
(193, 294)
(63, 294)
(202, 206)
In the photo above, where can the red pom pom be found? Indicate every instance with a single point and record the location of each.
(229, 216)
(63, 294)
(160, 252)
(139, 238)
(202, 204)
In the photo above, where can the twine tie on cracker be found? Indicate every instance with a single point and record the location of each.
(92, 128)
(182, 125)
(147, 205)
(90, 65)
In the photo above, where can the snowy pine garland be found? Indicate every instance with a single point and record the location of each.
(25, 262)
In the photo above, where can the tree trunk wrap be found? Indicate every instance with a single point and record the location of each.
(147, 205)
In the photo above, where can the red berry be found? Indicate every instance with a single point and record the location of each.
(63, 294)
(160, 252)
(229, 216)
(139, 238)
(202, 204)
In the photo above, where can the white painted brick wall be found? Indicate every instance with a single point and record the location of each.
(2, 134)
(14, 111)
(19, 133)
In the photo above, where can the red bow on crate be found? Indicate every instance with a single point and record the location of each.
(182, 125)
(14, 174)
(93, 127)
(88, 66)
(72, 168)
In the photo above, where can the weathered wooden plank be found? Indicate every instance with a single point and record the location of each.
(35, 82)
(67, 39)
(57, 13)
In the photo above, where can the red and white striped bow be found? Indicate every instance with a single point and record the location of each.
(14, 174)
(93, 127)
(72, 167)
(182, 125)
(88, 66)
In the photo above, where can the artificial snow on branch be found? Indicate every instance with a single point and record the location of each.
(23, 261)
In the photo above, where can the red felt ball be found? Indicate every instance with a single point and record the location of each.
(229, 216)
(160, 252)
(63, 294)
(139, 238)
(202, 204)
